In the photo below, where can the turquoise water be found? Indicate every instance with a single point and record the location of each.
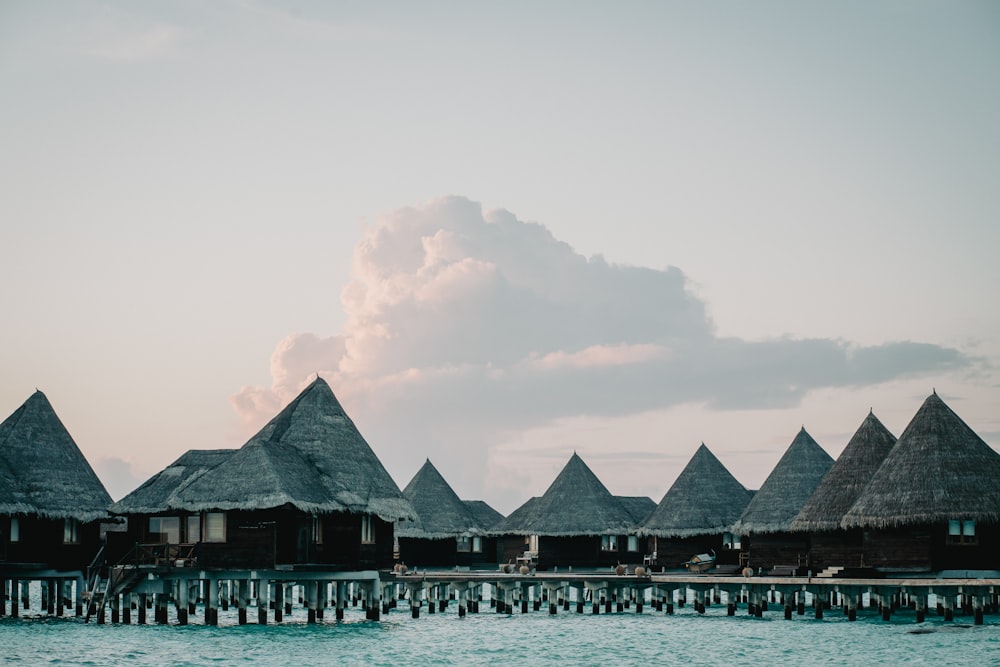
(535, 638)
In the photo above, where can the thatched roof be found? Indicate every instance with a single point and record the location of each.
(486, 517)
(440, 512)
(311, 457)
(705, 499)
(786, 489)
(847, 477)
(158, 493)
(42, 471)
(576, 503)
(938, 470)
(638, 507)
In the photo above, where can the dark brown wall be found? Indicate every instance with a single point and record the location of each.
(41, 542)
(842, 548)
(770, 549)
(283, 536)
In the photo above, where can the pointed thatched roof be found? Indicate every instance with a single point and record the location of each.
(311, 457)
(158, 493)
(486, 517)
(847, 477)
(938, 470)
(576, 503)
(638, 507)
(786, 489)
(705, 499)
(42, 471)
(440, 512)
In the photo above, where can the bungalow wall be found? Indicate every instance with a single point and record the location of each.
(265, 538)
(769, 549)
(43, 542)
(444, 553)
(836, 548)
(587, 551)
(928, 547)
(673, 552)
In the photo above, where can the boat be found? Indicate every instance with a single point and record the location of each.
(701, 562)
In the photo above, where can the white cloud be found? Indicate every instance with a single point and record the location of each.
(464, 329)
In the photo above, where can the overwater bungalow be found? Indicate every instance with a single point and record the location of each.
(577, 522)
(305, 491)
(448, 532)
(765, 525)
(696, 513)
(51, 502)
(934, 503)
(834, 550)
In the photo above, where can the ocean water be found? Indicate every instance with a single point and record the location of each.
(488, 638)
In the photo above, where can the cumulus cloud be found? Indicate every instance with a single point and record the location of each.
(464, 327)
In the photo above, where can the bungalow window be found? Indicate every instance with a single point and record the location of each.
(317, 529)
(477, 545)
(609, 543)
(165, 529)
(367, 529)
(463, 544)
(193, 529)
(633, 543)
(71, 531)
(215, 526)
(730, 541)
(532, 542)
(962, 531)
(15, 529)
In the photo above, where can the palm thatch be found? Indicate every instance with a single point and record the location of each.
(440, 512)
(158, 493)
(310, 457)
(704, 500)
(847, 478)
(938, 470)
(786, 489)
(576, 503)
(486, 517)
(42, 471)
(638, 507)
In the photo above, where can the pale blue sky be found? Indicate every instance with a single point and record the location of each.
(184, 185)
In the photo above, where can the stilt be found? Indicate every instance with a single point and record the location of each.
(127, 608)
(818, 604)
(278, 590)
(342, 600)
(312, 597)
(977, 609)
(289, 598)
(242, 600)
(142, 608)
(262, 598)
(25, 595)
(212, 602)
(183, 591)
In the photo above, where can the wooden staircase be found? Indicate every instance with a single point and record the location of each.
(830, 572)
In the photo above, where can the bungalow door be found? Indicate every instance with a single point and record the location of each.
(293, 540)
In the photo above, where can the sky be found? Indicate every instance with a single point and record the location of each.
(501, 232)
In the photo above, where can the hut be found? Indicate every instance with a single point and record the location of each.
(305, 491)
(448, 532)
(696, 513)
(934, 503)
(833, 549)
(765, 525)
(156, 521)
(51, 502)
(576, 522)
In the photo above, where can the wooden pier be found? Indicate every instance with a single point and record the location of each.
(148, 594)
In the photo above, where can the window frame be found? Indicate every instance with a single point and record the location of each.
(206, 525)
(71, 531)
(367, 529)
(609, 543)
